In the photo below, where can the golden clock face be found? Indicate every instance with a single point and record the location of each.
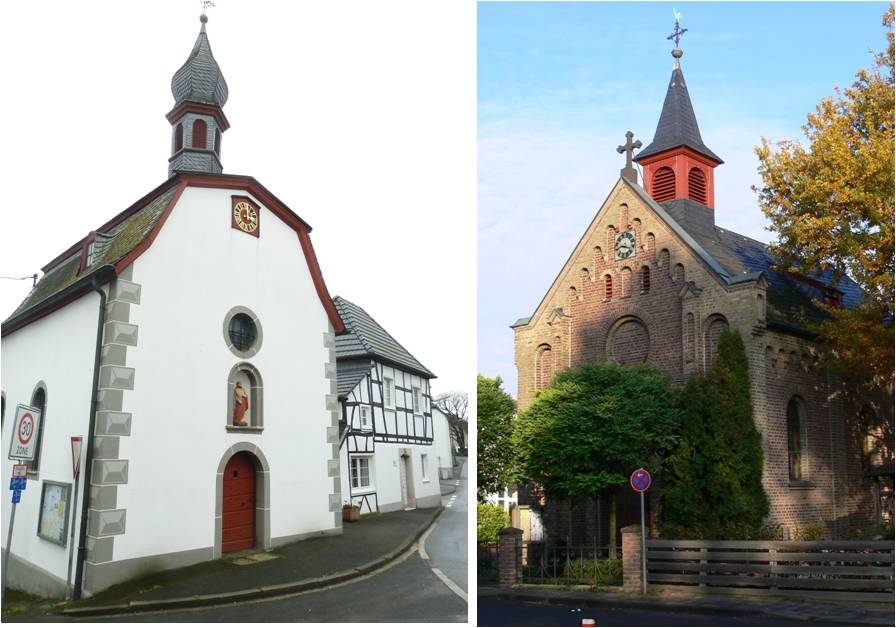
(245, 216)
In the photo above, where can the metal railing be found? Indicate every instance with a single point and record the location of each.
(582, 564)
(487, 563)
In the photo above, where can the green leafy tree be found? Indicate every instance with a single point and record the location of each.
(594, 425)
(490, 519)
(494, 416)
(831, 205)
(712, 481)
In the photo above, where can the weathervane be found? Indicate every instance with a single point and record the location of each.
(679, 31)
(206, 4)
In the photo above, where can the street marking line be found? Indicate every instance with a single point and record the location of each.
(450, 584)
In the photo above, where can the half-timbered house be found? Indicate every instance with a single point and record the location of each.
(387, 454)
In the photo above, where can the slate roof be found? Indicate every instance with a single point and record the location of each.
(365, 338)
(788, 300)
(678, 124)
(349, 373)
(199, 79)
(115, 243)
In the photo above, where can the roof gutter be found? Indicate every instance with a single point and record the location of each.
(104, 273)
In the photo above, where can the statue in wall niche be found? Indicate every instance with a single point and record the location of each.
(241, 405)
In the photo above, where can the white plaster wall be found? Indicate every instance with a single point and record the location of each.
(198, 269)
(441, 439)
(388, 459)
(58, 349)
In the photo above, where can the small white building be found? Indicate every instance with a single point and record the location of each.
(191, 341)
(387, 455)
(443, 443)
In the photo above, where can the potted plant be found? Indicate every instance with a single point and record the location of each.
(351, 512)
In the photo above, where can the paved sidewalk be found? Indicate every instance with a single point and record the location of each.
(710, 604)
(313, 563)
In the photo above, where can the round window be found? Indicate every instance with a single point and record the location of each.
(242, 332)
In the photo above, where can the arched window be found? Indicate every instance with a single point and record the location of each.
(544, 366)
(39, 401)
(872, 441)
(796, 438)
(645, 279)
(690, 338)
(713, 328)
(697, 186)
(218, 142)
(200, 133)
(608, 287)
(678, 273)
(178, 137)
(663, 185)
(245, 397)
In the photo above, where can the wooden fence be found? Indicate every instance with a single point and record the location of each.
(858, 570)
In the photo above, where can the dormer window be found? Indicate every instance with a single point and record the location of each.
(91, 253)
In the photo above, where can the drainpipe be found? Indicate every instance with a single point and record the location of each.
(104, 274)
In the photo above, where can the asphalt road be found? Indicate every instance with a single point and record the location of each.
(505, 613)
(446, 545)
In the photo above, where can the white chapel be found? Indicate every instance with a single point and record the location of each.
(191, 341)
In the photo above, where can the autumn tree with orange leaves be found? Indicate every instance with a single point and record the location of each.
(832, 204)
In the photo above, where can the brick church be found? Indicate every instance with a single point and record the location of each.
(655, 279)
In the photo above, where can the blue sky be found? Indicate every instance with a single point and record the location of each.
(559, 84)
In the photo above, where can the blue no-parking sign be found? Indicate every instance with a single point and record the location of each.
(640, 480)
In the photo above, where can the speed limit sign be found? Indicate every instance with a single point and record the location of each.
(23, 443)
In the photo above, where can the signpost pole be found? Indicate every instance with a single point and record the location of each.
(71, 549)
(643, 547)
(12, 521)
(76, 471)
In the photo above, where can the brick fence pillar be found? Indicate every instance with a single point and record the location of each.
(631, 559)
(510, 557)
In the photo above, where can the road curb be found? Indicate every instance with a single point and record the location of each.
(257, 593)
(604, 601)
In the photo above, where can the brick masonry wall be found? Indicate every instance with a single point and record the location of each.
(632, 581)
(675, 324)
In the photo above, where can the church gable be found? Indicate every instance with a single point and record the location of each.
(602, 267)
(106, 252)
(637, 288)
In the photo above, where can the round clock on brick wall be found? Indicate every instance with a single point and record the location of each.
(245, 215)
(625, 244)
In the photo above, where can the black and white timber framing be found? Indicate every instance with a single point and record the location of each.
(397, 423)
(378, 381)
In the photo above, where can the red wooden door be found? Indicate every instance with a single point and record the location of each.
(238, 508)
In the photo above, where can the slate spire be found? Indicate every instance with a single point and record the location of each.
(678, 123)
(199, 79)
(198, 120)
(677, 164)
